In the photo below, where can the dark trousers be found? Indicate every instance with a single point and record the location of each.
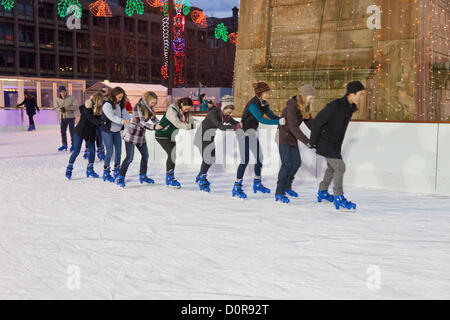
(170, 147)
(129, 148)
(113, 144)
(209, 156)
(30, 119)
(290, 163)
(245, 146)
(70, 122)
(98, 139)
(77, 142)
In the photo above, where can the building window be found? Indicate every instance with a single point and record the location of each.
(156, 71)
(99, 66)
(7, 59)
(46, 38)
(6, 33)
(202, 37)
(98, 22)
(128, 25)
(142, 28)
(143, 49)
(83, 65)
(26, 36)
(129, 47)
(114, 23)
(65, 64)
(143, 70)
(46, 12)
(47, 63)
(114, 46)
(65, 40)
(27, 60)
(5, 13)
(129, 71)
(25, 9)
(156, 29)
(85, 19)
(156, 51)
(83, 41)
(99, 44)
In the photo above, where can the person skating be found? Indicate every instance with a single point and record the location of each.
(142, 119)
(86, 129)
(31, 108)
(115, 116)
(327, 136)
(176, 117)
(203, 101)
(297, 110)
(255, 112)
(217, 118)
(67, 106)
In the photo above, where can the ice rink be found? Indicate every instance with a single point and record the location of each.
(88, 239)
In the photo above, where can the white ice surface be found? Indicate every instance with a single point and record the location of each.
(149, 242)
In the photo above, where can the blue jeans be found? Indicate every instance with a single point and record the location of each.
(290, 163)
(129, 148)
(77, 142)
(245, 147)
(113, 143)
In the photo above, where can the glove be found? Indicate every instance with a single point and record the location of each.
(282, 121)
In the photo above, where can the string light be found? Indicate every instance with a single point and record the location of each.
(221, 32)
(199, 18)
(8, 4)
(63, 5)
(154, 3)
(100, 8)
(232, 38)
(134, 5)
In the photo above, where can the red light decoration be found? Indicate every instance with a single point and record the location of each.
(199, 18)
(232, 37)
(100, 8)
(178, 47)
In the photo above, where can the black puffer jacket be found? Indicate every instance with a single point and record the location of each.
(87, 127)
(329, 127)
(30, 105)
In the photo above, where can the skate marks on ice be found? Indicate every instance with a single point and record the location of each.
(153, 242)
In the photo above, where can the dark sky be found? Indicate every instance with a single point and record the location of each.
(216, 8)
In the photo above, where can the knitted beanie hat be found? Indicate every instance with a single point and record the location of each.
(307, 90)
(227, 101)
(260, 88)
(354, 87)
(62, 88)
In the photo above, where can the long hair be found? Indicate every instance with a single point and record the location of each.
(149, 98)
(97, 103)
(185, 102)
(112, 97)
(304, 109)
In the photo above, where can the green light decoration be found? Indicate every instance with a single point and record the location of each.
(63, 5)
(132, 5)
(221, 32)
(8, 4)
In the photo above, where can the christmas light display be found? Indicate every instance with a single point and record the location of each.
(8, 4)
(154, 3)
(63, 5)
(178, 45)
(199, 18)
(100, 8)
(221, 32)
(232, 38)
(164, 4)
(165, 29)
(133, 5)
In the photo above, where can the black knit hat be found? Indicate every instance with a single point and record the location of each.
(62, 88)
(354, 87)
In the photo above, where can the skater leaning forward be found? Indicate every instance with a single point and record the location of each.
(86, 129)
(327, 136)
(217, 118)
(297, 110)
(115, 116)
(176, 117)
(255, 112)
(142, 119)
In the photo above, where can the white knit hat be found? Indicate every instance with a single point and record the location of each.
(227, 101)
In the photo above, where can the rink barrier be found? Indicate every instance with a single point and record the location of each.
(411, 156)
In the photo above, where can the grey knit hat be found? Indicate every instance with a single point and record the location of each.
(227, 101)
(307, 90)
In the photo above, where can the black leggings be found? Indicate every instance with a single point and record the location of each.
(170, 147)
(31, 120)
(211, 153)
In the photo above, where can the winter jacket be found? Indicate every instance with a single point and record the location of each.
(329, 127)
(135, 131)
(253, 114)
(203, 105)
(87, 126)
(173, 120)
(114, 117)
(30, 105)
(291, 133)
(67, 107)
